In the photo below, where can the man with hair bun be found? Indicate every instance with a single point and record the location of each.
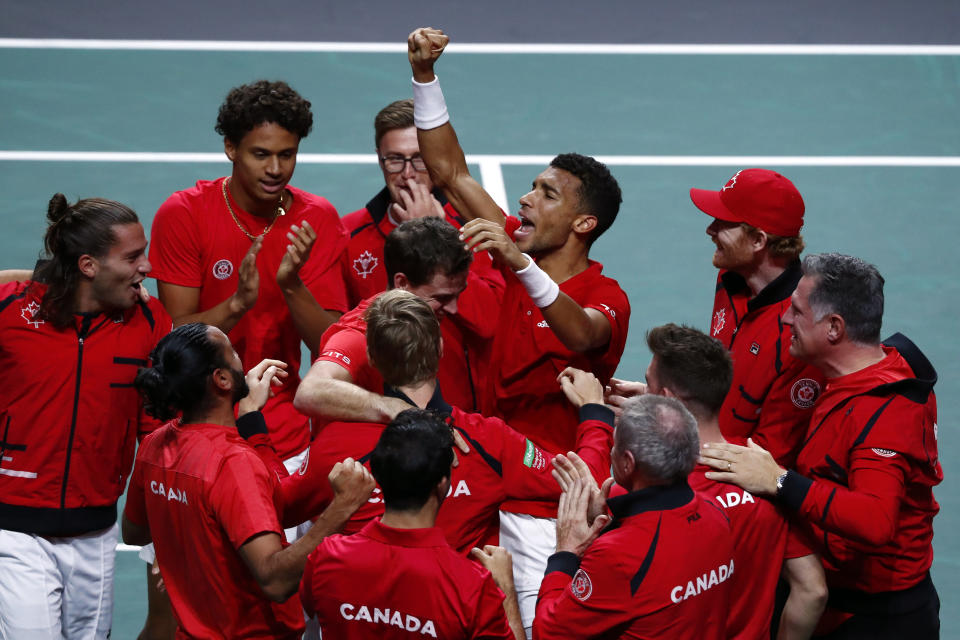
(71, 340)
(210, 504)
(757, 218)
(863, 482)
(242, 252)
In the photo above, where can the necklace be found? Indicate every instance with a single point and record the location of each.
(279, 212)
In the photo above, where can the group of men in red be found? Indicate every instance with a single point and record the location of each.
(471, 405)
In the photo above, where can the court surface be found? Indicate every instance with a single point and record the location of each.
(871, 137)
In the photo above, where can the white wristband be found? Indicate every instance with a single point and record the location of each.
(429, 107)
(540, 287)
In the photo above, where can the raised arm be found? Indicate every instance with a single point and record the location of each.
(328, 391)
(439, 146)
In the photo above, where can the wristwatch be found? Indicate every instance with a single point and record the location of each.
(780, 480)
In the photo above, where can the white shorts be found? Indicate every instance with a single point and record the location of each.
(53, 588)
(531, 541)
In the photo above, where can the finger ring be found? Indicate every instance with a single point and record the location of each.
(729, 466)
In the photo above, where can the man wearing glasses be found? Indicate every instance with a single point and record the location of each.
(408, 194)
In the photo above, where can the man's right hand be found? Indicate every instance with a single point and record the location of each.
(352, 483)
(416, 203)
(580, 387)
(248, 280)
(424, 46)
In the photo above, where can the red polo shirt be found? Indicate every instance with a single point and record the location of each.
(400, 583)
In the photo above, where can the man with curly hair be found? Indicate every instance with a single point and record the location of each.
(241, 252)
(559, 310)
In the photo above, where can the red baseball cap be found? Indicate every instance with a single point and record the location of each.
(762, 198)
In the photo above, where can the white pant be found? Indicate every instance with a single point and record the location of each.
(531, 541)
(53, 588)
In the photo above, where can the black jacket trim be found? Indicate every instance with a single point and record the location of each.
(647, 561)
(10, 298)
(780, 289)
(138, 362)
(48, 521)
(872, 421)
(600, 412)
(565, 561)
(794, 491)
(659, 498)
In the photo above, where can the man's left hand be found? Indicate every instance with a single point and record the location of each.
(751, 468)
(484, 235)
(301, 242)
(573, 532)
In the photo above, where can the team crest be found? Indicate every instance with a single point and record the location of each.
(581, 585)
(719, 321)
(805, 392)
(29, 313)
(302, 469)
(732, 181)
(884, 453)
(223, 269)
(365, 264)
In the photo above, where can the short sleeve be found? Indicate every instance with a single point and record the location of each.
(175, 252)
(242, 498)
(348, 348)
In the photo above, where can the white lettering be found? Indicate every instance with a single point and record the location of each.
(413, 624)
(170, 494)
(375, 496)
(404, 621)
(703, 582)
(462, 489)
(734, 499)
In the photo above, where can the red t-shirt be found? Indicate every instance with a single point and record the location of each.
(761, 541)
(526, 357)
(772, 394)
(872, 456)
(204, 493)
(400, 583)
(196, 243)
(502, 464)
(661, 570)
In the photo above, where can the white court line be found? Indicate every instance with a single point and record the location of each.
(484, 48)
(490, 159)
(128, 547)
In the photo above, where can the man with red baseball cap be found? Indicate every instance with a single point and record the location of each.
(757, 217)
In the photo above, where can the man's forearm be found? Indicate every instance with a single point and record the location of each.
(338, 400)
(310, 319)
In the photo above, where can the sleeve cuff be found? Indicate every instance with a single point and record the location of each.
(564, 561)
(794, 490)
(250, 424)
(600, 412)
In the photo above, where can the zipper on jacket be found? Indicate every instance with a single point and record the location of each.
(82, 333)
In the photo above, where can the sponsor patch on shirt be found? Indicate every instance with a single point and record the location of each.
(581, 586)
(222, 269)
(884, 453)
(336, 355)
(533, 457)
(805, 392)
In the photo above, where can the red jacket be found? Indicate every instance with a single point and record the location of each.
(772, 394)
(69, 415)
(662, 569)
(865, 476)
